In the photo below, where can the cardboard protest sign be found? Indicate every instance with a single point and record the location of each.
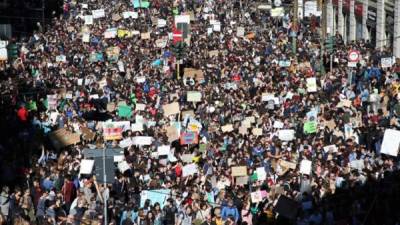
(277, 12)
(213, 53)
(391, 142)
(86, 166)
(188, 113)
(311, 84)
(116, 17)
(99, 13)
(227, 128)
(242, 130)
(278, 124)
(287, 164)
(193, 73)
(305, 167)
(242, 180)
(145, 36)
(172, 133)
(190, 169)
(239, 171)
(121, 33)
(124, 111)
(310, 127)
(171, 109)
(256, 131)
(110, 33)
(62, 138)
(87, 134)
(86, 38)
(286, 135)
(193, 96)
(142, 140)
(163, 150)
(188, 138)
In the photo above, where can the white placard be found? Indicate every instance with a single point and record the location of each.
(99, 13)
(130, 14)
(140, 107)
(86, 38)
(119, 158)
(240, 32)
(286, 135)
(386, 62)
(88, 20)
(182, 19)
(391, 142)
(123, 166)
(86, 166)
(305, 167)
(125, 143)
(142, 140)
(161, 23)
(261, 174)
(278, 124)
(3, 54)
(137, 127)
(190, 169)
(332, 148)
(311, 84)
(164, 150)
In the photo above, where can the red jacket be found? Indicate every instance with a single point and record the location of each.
(22, 114)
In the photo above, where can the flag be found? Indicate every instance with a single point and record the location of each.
(177, 35)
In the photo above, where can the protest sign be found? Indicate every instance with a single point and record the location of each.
(123, 166)
(110, 33)
(86, 38)
(62, 138)
(88, 20)
(3, 54)
(163, 150)
(140, 107)
(193, 73)
(145, 36)
(256, 131)
(125, 125)
(159, 196)
(188, 113)
(182, 19)
(113, 53)
(331, 148)
(140, 4)
(227, 128)
(256, 197)
(52, 101)
(61, 58)
(391, 142)
(310, 127)
(136, 127)
(286, 135)
(121, 33)
(127, 142)
(161, 23)
(386, 62)
(188, 138)
(130, 14)
(261, 174)
(278, 124)
(112, 131)
(240, 31)
(161, 43)
(348, 131)
(357, 164)
(213, 53)
(305, 167)
(287, 164)
(242, 130)
(187, 158)
(242, 180)
(284, 63)
(142, 140)
(311, 84)
(190, 169)
(99, 13)
(86, 166)
(116, 17)
(239, 171)
(277, 12)
(171, 109)
(193, 96)
(124, 111)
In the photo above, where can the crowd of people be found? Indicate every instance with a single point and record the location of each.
(245, 127)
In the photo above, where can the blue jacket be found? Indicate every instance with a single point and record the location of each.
(227, 211)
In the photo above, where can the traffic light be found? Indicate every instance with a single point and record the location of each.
(12, 50)
(330, 44)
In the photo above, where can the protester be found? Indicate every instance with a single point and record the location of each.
(232, 127)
